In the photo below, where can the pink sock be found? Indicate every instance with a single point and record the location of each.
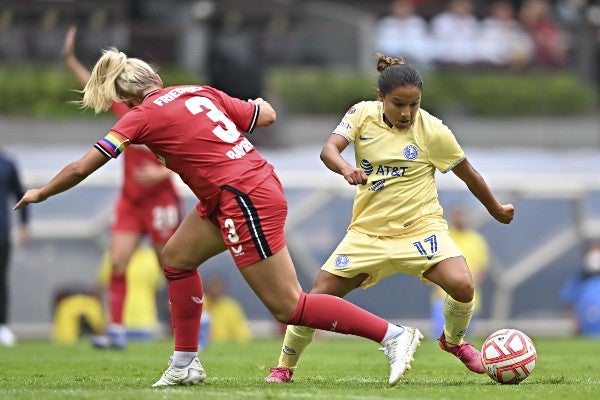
(331, 313)
(117, 290)
(185, 296)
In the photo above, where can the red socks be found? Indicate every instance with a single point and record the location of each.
(185, 297)
(331, 313)
(320, 311)
(117, 290)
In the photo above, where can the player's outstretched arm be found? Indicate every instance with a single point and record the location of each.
(81, 73)
(501, 212)
(68, 177)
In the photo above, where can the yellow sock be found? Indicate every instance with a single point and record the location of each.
(457, 316)
(295, 341)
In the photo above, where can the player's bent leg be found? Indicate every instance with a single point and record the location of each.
(297, 338)
(454, 277)
(186, 294)
(270, 280)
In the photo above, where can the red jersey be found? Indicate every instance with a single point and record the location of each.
(196, 132)
(136, 158)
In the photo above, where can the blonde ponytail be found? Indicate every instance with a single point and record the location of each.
(117, 78)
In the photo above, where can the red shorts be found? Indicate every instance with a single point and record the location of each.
(252, 224)
(158, 218)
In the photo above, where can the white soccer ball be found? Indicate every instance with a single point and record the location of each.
(508, 356)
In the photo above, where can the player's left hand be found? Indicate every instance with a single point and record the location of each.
(505, 214)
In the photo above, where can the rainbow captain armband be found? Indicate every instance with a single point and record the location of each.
(112, 144)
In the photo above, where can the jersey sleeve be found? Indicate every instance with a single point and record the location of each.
(124, 132)
(244, 114)
(112, 145)
(444, 151)
(348, 126)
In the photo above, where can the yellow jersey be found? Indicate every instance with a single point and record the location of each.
(400, 165)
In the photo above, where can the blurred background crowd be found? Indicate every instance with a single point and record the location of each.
(195, 33)
(517, 81)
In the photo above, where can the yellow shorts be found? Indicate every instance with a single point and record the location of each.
(425, 244)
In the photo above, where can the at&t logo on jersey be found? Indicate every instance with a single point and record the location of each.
(366, 166)
(383, 170)
(411, 152)
(342, 261)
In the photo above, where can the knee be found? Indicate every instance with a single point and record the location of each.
(463, 292)
(175, 259)
(168, 256)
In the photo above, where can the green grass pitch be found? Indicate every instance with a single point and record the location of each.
(332, 368)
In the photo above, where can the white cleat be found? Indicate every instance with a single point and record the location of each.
(191, 374)
(400, 351)
(7, 338)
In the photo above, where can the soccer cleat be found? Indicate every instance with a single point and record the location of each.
(117, 336)
(279, 374)
(465, 352)
(100, 342)
(7, 338)
(191, 374)
(400, 351)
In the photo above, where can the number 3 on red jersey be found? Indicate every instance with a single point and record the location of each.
(227, 132)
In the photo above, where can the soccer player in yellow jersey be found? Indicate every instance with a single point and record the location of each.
(397, 223)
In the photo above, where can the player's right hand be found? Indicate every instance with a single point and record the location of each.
(30, 196)
(355, 176)
(69, 45)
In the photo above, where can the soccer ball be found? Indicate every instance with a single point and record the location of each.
(508, 356)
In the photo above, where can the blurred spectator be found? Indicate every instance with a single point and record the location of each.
(77, 310)
(503, 41)
(475, 251)
(456, 32)
(228, 321)
(550, 46)
(428, 8)
(581, 293)
(405, 34)
(10, 188)
(144, 278)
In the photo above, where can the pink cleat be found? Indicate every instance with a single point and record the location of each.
(465, 352)
(279, 375)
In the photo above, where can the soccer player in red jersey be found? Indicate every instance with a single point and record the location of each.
(196, 131)
(148, 205)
